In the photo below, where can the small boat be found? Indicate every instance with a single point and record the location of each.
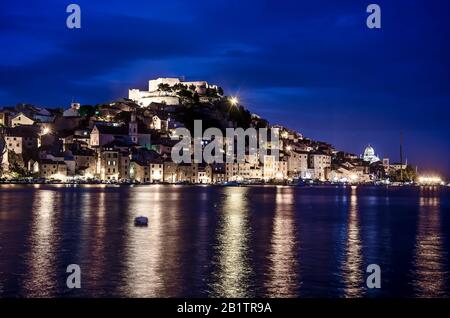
(231, 184)
(141, 221)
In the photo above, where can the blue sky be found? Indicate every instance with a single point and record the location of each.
(311, 65)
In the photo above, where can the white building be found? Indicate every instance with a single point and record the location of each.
(160, 122)
(21, 119)
(155, 95)
(73, 111)
(269, 167)
(348, 172)
(53, 169)
(319, 162)
(147, 172)
(369, 155)
(19, 139)
(298, 163)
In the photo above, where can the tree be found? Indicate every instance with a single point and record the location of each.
(184, 93)
(405, 175)
(377, 169)
(178, 87)
(122, 117)
(211, 92)
(164, 87)
(196, 97)
(16, 166)
(87, 111)
(261, 123)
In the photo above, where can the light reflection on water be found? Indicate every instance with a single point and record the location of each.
(429, 275)
(94, 229)
(233, 268)
(144, 246)
(223, 241)
(41, 280)
(96, 218)
(353, 266)
(284, 278)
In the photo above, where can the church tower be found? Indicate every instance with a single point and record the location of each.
(133, 128)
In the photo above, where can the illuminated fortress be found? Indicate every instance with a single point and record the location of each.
(161, 90)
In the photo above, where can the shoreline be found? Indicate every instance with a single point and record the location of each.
(231, 184)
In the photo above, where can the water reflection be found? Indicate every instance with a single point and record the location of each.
(143, 259)
(283, 281)
(41, 274)
(231, 278)
(95, 248)
(353, 267)
(172, 241)
(222, 241)
(429, 273)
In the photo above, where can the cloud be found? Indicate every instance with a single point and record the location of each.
(101, 46)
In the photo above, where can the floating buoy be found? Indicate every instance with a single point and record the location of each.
(141, 221)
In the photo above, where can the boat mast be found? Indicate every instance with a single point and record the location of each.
(401, 156)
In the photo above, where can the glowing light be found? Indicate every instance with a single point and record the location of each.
(233, 267)
(288, 148)
(45, 131)
(42, 235)
(353, 260)
(234, 101)
(279, 175)
(89, 176)
(283, 274)
(354, 177)
(59, 176)
(430, 180)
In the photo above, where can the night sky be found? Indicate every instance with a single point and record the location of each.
(312, 66)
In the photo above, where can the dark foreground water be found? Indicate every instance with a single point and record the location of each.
(224, 241)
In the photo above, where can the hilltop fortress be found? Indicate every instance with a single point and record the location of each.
(167, 91)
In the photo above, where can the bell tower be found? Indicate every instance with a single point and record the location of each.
(133, 128)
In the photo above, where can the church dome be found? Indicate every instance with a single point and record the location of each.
(369, 155)
(369, 152)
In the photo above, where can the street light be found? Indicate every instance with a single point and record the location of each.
(234, 101)
(430, 180)
(45, 131)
